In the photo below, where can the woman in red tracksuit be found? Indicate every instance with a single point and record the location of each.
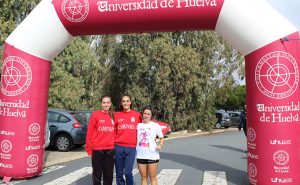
(100, 142)
(125, 150)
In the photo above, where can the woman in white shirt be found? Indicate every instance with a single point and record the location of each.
(147, 149)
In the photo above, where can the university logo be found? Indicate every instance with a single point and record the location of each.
(34, 129)
(6, 146)
(75, 10)
(16, 76)
(277, 75)
(32, 160)
(252, 170)
(251, 134)
(281, 157)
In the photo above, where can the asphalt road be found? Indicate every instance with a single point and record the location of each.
(53, 157)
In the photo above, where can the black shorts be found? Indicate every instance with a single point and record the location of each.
(146, 161)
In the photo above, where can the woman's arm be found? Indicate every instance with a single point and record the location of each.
(161, 143)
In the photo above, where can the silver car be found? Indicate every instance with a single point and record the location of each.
(234, 118)
(223, 120)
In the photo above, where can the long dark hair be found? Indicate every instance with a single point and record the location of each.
(110, 110)
(120, 106)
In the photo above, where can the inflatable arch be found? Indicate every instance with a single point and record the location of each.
(261, 34)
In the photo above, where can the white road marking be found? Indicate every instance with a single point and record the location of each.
(214, 178)
(134, 171)
(71, 177)
(165, 177)
(51, 169)
(45, 171)
(168, 176)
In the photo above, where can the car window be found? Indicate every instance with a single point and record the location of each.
(234, 115)
(79, 117)
(225, 115)
(63, 119)
(53, 117)
(57, 117)
(88, 115)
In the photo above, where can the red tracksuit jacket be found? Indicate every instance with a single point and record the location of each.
(101, 133)
(125, 126)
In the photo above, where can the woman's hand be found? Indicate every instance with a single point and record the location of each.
(159, 147)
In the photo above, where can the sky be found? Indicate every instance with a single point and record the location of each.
(288, 8)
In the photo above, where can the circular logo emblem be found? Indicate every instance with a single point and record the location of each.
(6, 146)
(251, 134)
(281, 157)
(16, 76)
(32, 160)
(252, 170)
(75, 10)
(34, 128)
(277, 75)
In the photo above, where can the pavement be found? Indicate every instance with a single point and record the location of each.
(53, 157)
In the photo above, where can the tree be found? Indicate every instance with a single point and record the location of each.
(174, 73)
(67, 88)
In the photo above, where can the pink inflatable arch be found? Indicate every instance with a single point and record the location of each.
(260, 33)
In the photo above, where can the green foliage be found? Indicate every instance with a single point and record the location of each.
(167, 72)
(236, 98)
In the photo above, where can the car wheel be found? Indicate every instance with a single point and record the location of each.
(63, 143)
(218, 125)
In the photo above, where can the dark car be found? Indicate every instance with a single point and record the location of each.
(165, 127)
(85, 113)
(67, 129)
(234, 118)
(223, 120)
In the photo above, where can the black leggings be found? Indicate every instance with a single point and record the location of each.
(103, 163)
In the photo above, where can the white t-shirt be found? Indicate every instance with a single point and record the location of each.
(146, 144)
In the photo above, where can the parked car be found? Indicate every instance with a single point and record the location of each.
(85, 113)
(67, 129)
(223, 120)
(165, 127)
(234, 118)
(47, 135)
